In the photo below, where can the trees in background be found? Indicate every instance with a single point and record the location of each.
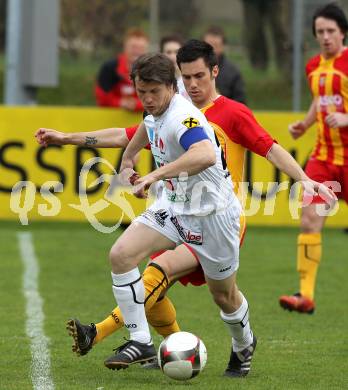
(98, 25)
(95, 25)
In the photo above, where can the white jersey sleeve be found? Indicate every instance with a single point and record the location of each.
(184, 117)
(182, 123)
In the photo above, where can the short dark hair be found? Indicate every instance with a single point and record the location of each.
(154, 67)
(217, 31)
(334, 12)
(171, 38)
(194, 49)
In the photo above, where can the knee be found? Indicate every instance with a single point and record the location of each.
(221, 298)
(306, 223)
(309, 223)
(227, 301)
(119, 258)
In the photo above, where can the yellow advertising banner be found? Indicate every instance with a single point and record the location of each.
(282, 209)
(54, 183)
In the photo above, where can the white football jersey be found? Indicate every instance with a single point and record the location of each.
(208, 191)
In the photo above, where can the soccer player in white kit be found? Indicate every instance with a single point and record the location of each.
(197, 206)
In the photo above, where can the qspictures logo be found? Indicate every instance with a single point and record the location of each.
(116, 187)
(23, 196)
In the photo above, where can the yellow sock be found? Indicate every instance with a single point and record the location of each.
(155, 281)
(109, 325)
(308, 259)
(162, 317)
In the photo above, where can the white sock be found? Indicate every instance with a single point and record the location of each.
(239, 326)
(129, 293)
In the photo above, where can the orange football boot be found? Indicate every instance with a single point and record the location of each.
(298, 303)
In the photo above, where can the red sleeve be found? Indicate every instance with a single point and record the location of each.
(110, 99)
(130, 131)
(107, 99)
(312, 64)
(341, 63)
(250, 134)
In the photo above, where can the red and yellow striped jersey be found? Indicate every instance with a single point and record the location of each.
(328, 81)
(237, 130)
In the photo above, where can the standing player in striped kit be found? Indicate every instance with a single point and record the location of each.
(327, 75)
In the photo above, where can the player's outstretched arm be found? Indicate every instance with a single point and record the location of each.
(283, 160)
(104, 138)
(297, 129)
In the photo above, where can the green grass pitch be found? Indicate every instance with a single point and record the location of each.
(294, 351)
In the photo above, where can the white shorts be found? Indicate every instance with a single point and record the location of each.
(214, 238)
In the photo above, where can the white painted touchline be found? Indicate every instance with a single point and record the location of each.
(41, 363)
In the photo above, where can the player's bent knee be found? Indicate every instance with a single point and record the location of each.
(310, 221)
(221, 298)
(306, 222)
(228, 301)
(120, 258)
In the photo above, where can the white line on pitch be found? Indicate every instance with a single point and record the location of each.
(41, 363)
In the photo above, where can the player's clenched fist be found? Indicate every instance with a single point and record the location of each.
(297, 129)
(47, 137)
(314, 188)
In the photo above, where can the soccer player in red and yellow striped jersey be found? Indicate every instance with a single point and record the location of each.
(327, 75)
(328, 82)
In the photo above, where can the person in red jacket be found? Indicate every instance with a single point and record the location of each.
(114, 87)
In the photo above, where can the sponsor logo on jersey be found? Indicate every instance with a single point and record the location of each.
(179, 198)
(187, 235)
(328, 100)
(190, 122)
(161, 145)
(175, 196)
(151, 133)
(225, 269)
(158, 216)
(156, 139)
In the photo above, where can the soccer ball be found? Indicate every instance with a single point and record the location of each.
(182, 356)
